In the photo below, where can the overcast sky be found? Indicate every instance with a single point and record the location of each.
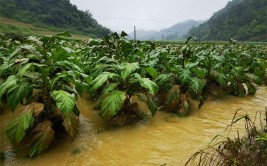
(148, 14)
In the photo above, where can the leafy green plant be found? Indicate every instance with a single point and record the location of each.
(44, 83)
(117, 90)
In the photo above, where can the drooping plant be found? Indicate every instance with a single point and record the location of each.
(43, 80)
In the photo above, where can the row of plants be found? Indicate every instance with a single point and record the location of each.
(42, 78)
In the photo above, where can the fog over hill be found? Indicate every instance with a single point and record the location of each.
(175, 32)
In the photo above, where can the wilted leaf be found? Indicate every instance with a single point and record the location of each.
(142, 97)
(36, 107)
(43, 135)
(173, 95)
(71, 123)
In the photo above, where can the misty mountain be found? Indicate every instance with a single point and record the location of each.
(240, 19)
(175, 32)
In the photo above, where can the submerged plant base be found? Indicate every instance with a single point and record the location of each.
(246, 151)
(125, 118)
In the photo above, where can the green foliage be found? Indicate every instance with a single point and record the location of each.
(46, 74)
(149, 85)
(101, 79)
(17, 129)
(241, 20)
(128, 68)
(112, 104)
(65, 101)
(60, 14)
(66, 104)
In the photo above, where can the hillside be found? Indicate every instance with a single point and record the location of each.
(175, 32)
(52, 13)
(244, 20)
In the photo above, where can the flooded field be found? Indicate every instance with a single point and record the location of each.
(164, 140)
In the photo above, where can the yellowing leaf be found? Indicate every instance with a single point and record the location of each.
(43, 135)
(71, 123)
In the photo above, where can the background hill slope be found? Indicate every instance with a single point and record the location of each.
(55, 13)
(240, 19)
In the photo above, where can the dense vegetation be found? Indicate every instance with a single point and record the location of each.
(241, 19)
(59, 13)
(42, 78)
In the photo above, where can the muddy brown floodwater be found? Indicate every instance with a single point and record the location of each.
(162, 140)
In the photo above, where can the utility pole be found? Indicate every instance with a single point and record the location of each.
(134, 33)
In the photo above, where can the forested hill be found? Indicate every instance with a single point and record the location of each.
(56, 13)
(240, 19)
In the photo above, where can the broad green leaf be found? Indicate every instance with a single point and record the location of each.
(24, 69)
(70, 66)
(196, 84)
(43, 136)
(64, 101)
(149, 85)
(5, 68)
(200, 73)
(112, 104)
(17, 128)
(9, 83)
(17, 93)
(162, 79)
(110, 87)
(152, 71)
(184, 75)
(219, 77)
(101, 79)
(128, 68)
